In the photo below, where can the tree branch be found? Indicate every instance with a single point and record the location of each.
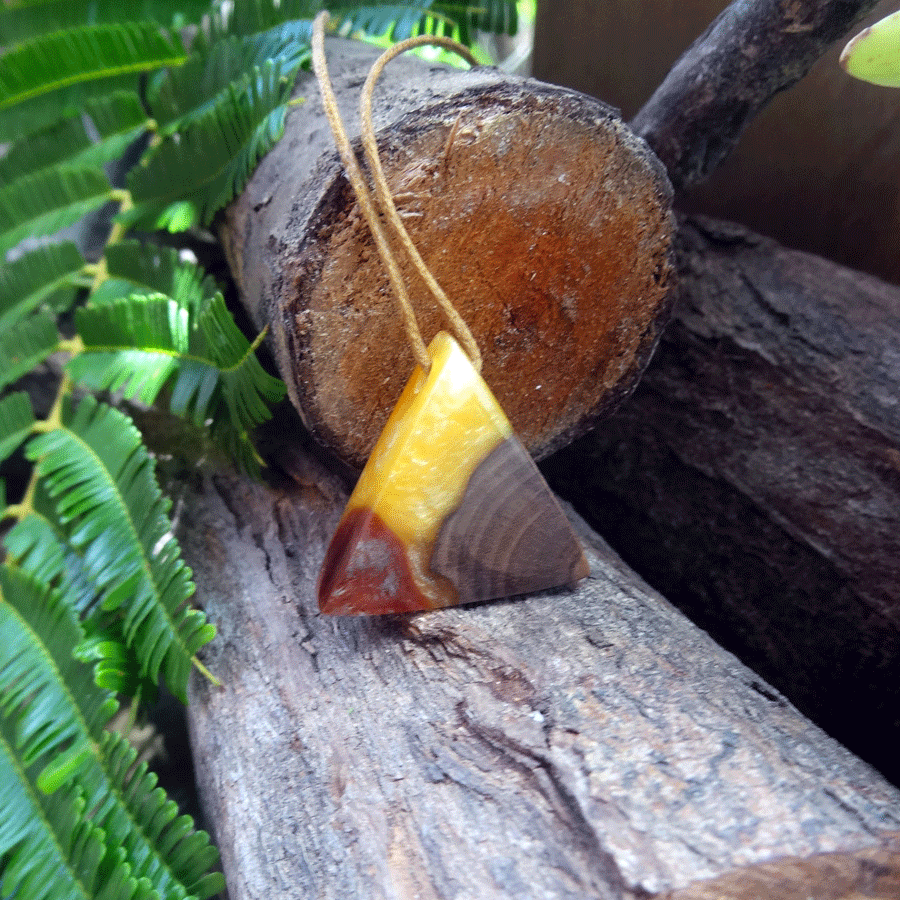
(748, 54)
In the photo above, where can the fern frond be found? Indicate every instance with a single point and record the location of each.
(237, 445)
(50, 846)
(37, 546)
(136, 345)
(395, 20)
(102, 480)
(16, 421)
(43, 203)
(89, 54)
(401, 20)
(116, 120)
(180, 96)
(54, 708)
(115, 667)
(247, 388)
(24, 19)
(25, 345)
(131, 345)
(150, 269)
(187, 853)
(31, 116)
(255, 16)
(35, 278)
(57, 720)
(212, 159)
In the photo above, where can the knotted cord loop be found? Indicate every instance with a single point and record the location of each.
(383, 193)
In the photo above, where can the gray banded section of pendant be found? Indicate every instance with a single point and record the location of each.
(508, 535)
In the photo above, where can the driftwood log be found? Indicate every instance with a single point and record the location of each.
(541, 215)
(754, 476)
(587, 744)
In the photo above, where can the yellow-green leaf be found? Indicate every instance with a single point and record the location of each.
(874, 54)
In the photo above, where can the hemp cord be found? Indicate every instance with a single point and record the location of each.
(383, 193)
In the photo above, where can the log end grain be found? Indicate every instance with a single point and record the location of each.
(542, 227)
(543, 217)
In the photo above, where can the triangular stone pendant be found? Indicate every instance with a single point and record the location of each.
(449, 509)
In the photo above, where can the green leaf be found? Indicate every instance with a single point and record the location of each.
(115, 667)
(401, 20)
(184, 853)
(254, 16)
(136, 345)
(25, 344)
(212, 159)
(23, 19)
(39, 547)
(16, 421)
(35, 278)
(63, 767)
(874, 54)
(396, 20)
(248, 389)
(116, 120)
(237, 444)
(180, 96)
(132, 345)
(50, 846)
(101, 478)
(150, 269)
(43, 203)
(89, 54)
(36, 548)
(40, 681)
(56, 718)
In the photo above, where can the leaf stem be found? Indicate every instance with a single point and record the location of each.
(205, 672)
(53, 420)
(98, 270)
(259, 339)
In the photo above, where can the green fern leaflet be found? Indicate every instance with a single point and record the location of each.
(101, 477)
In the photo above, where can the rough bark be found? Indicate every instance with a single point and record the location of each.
(587, 744)
(543, 217)
(754, 476)
(752, 51)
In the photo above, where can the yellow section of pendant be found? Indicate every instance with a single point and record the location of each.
(444, 424)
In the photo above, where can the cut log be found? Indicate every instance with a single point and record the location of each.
(754, 477)
(546, 221)
(586, 744)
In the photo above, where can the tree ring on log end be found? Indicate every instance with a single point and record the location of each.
(548, 224)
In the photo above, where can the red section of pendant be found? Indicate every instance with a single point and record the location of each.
(366, 571)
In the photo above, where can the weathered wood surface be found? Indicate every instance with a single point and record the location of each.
(754, 476)
(587, 744)
(543, 217)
